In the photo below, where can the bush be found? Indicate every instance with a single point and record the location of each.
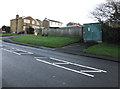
(110, 34)
(22, 32)
(30, 30)
(6, 29)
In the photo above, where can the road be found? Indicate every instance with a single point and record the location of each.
(24, 66)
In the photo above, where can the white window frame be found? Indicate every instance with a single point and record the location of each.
(26, 21)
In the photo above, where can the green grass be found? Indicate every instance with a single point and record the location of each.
(105, 49)
(9, 34)
(50, 41)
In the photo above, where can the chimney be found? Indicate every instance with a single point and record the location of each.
(17, 16)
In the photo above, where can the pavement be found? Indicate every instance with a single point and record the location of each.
(75, 49)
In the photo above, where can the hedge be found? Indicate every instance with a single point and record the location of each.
(110, 34)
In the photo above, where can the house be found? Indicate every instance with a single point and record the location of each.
(19, 24)
(72, 23)
(47, 23)
(72, 27)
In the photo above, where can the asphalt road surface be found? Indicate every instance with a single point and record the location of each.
(24, 66)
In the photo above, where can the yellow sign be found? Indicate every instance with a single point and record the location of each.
(88, 28)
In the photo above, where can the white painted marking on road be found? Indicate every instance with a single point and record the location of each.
(65, 68)
(57, 64)
(59, 60)
(91, 71)
(11, 51)
(61, 63)
(78, 64)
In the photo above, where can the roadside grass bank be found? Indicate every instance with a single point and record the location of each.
(48, 41)
(12, 34)
(105, 49)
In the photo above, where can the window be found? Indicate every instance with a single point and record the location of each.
(51, 23)
(33, 22)
(26, 21)
(38, 23)
(60, 24)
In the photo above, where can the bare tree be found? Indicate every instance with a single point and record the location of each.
(109, 11)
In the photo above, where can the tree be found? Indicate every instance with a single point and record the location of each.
(109, 11)
(6, 29)
(109, 15)
(3, 28)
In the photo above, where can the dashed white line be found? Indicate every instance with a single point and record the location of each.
(11, 51)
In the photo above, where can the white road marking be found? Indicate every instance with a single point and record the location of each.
(78, 65)
(59, 60)
(24, 51)
(90, 70)
(11, 51)
(65, 68)
(61, 63)
(14, 49)
(94, 70)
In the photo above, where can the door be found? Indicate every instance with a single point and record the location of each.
(87, 33)
(92, 32)
(97, 33)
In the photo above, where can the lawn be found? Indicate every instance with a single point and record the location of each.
(104, 49)
(9, 34)
(48, 41)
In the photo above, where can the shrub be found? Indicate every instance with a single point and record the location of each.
(110, 34)
(30, 30)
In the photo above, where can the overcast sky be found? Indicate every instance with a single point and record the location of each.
(60, 10)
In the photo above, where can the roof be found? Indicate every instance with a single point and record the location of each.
(55, 21)
(19, 18)
(91, 23)
(38, 20)
(52, 20)
(71, 26)
(22, 17)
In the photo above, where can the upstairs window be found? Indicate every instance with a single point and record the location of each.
(26, 21)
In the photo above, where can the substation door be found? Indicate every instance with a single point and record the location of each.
(92, 32)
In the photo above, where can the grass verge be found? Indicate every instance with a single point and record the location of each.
(49, 41)
(105, 49)
(12, 34)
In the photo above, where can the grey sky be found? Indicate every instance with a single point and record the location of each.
(61, 10)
